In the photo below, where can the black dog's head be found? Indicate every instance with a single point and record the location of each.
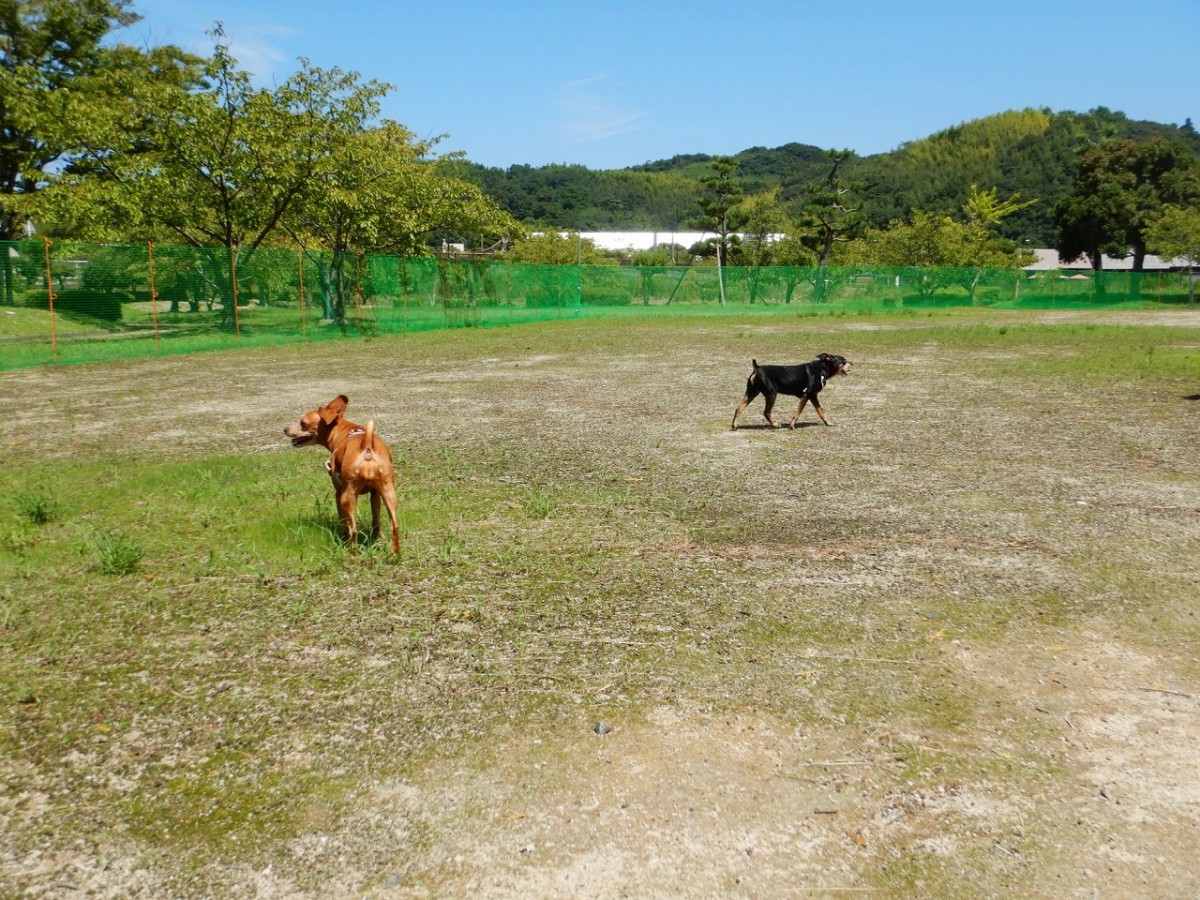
(834, 365)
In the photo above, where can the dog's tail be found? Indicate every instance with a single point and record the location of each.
(369, 440)
(753, 369)
(369, 466)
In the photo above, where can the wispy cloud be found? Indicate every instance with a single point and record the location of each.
(256, 48)
(591, 112)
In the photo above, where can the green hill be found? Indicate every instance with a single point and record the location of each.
(1032, 151)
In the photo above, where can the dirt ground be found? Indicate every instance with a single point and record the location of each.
(1086, 782)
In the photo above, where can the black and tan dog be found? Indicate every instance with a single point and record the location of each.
(804, 381)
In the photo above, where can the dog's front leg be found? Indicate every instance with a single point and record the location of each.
(820, 411)
(799, 409)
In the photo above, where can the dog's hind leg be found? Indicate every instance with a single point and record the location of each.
(376, 531)
(741, 408)
(389, 501)
(752, 391)
(770, 406)
(347, 502)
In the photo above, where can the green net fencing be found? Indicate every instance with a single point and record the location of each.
(69, 302)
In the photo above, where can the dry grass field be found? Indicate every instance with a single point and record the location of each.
(946, 647)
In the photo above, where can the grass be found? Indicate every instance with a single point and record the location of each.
(191, 624)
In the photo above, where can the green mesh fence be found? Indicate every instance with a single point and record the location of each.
(65, 302)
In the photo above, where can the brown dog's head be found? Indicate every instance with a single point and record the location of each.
(315, 426)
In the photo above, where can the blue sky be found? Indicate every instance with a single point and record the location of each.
(615, 84)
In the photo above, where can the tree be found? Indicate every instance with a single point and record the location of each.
(954, 252)
(1121, 188)
(552, 248)
(58, 67)
(1177, 234)
(764, 224)
(984, 208)
(720, 210)
(379, 193)
(221, 165)
(829, 217)
(830, 214)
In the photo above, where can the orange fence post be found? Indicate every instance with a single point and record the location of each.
(153, 293)
(50, 297)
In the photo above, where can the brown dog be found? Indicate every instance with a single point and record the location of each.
(359, 463)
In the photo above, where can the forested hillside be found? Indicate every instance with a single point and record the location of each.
(1031, 151)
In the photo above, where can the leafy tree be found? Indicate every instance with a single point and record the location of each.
(1176, 233)
(378, 193)
(221, 165)
(1121, 188)
(986, 209)
(57, 70)
(552, 248)
(954, 252)
(764, 222)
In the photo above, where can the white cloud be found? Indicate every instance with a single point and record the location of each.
(592, 114)
(256, 50)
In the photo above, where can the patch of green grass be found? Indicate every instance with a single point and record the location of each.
(38, 506)
(116, 554)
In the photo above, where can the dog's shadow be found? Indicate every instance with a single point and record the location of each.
(765, 427)
(1192, 397)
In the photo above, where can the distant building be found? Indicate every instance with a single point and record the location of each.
(1047, 261)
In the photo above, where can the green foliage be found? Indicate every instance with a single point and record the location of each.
(578, 198)
(1121, 188)
(56, 57)
(951, 251)
(1176, 233)
(84, 302)
(552, 248)
(830, 214)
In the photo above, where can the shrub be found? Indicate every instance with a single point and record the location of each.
(82, 303)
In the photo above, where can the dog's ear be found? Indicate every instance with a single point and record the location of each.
(336, 407)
